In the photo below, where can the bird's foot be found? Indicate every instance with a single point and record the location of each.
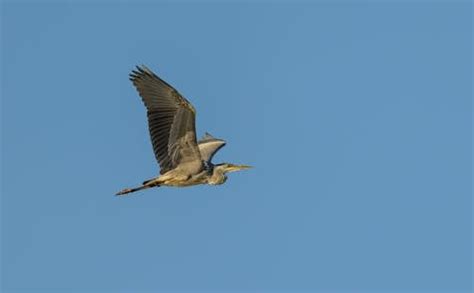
(123, 192)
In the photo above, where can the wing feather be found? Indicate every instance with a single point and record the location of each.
(171, 120)
(209, 145)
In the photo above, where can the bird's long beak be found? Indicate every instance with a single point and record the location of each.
(233, 168)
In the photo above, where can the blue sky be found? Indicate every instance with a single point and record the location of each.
(356, 116)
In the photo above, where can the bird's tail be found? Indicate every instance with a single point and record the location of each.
(130, 190)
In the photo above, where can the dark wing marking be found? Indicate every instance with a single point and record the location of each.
(209, 145)
(171, 120)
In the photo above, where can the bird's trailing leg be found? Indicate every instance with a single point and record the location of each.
(130, 190)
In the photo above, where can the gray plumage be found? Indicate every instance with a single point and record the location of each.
(183, 160)
(208, 147)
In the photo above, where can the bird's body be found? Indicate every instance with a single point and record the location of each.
(183, 160)
(181, 177)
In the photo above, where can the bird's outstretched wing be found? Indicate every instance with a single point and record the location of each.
(208, 146)
(171, 120)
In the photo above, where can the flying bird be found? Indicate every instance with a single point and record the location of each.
(183, 160)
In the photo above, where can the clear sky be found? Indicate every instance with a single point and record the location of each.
(356, 116)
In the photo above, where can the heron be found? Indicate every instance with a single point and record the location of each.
(183, 160)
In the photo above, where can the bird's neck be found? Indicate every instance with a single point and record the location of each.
(218, 175)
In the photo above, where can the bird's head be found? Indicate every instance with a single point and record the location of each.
(228, 167)
(219, 172)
